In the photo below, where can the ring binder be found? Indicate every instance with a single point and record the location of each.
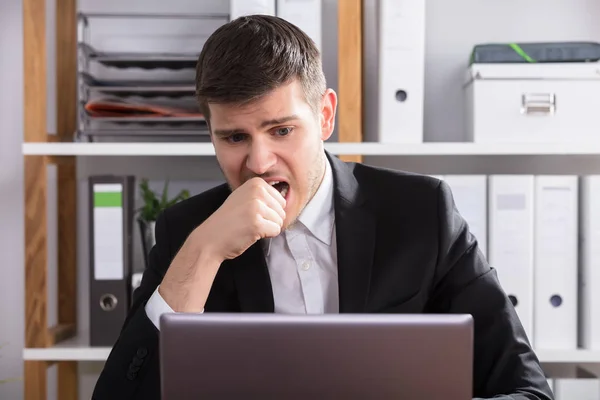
(111, 213)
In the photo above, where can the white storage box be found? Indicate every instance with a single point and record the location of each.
(533, 103)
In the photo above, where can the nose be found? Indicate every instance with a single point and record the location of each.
(260, 158)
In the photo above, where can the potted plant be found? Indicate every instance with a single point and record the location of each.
(153, 205)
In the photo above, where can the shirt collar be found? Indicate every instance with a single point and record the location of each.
(317, 216)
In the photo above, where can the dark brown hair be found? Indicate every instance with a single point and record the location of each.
(252, 55)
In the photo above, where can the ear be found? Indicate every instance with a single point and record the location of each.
(328, 108)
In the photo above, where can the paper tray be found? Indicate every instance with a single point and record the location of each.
(174, 61)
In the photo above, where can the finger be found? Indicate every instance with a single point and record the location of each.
(275, 194)
(272, 201)
(268, 213)
(269, 229)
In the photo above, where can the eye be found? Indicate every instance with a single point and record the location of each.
(284, 131)
(236, 137)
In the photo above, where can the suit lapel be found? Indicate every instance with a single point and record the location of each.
(355, 235)
(252, 281)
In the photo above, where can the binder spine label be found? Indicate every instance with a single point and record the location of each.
(108, 231)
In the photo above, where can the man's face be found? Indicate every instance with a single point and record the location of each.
(278, 138)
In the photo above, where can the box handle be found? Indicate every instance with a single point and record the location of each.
(538, 103)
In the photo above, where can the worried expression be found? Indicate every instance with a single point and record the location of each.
(279, 138)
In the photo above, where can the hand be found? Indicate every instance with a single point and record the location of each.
(253, 211)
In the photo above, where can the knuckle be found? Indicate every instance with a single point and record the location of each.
(257, 222)
(257, 183)
(257, 191)
(256, 206)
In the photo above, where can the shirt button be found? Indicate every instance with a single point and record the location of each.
(306, 265)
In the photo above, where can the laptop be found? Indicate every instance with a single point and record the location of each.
(341, 356)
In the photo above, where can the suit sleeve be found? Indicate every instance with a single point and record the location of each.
(132, 368)
(504, 366)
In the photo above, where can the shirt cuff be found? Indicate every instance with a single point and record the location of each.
(157, 306)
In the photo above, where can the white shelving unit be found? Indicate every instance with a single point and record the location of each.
(78, 349)
(365, 149)
(73, 349)
(443, 107)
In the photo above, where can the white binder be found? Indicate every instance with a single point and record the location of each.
(239, 8)
(394, 45)
(551, 383)
(305, 14)
(510, 240)
(555, 265)
(576, 389)
(589, 280)
(470, 197)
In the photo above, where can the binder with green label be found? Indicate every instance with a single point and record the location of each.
(111, 215)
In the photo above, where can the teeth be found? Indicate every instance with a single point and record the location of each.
(274, 183)
(284, 191)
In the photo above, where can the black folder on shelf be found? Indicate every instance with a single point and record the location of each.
(111, 216)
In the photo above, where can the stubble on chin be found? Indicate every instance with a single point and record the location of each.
(314, 178)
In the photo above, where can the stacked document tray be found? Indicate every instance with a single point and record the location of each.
(138, 95)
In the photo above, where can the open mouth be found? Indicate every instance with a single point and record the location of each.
(282, 187)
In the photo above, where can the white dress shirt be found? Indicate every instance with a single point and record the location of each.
(302, 261)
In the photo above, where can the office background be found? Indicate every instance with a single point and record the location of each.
(452, 28)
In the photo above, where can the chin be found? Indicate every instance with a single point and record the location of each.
(292, 213)
(288, 225)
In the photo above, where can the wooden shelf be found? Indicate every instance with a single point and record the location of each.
(364, 149)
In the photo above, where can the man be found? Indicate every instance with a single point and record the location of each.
(296, 230)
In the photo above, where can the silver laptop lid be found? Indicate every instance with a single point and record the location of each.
(341, 356)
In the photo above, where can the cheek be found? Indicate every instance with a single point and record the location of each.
(300, 160)
(231, 164)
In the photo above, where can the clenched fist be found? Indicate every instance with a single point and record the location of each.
(253, 211)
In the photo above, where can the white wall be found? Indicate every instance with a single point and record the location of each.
(453, 27)
(11, 199)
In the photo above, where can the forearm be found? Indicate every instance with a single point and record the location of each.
(188, 281)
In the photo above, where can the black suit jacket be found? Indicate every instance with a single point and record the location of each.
(402, 248)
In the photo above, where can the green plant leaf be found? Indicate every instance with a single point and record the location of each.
(153, 205)
(164, 199)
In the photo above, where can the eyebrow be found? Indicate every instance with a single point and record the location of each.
(264, 124)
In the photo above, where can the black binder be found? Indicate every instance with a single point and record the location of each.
(111, 216)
